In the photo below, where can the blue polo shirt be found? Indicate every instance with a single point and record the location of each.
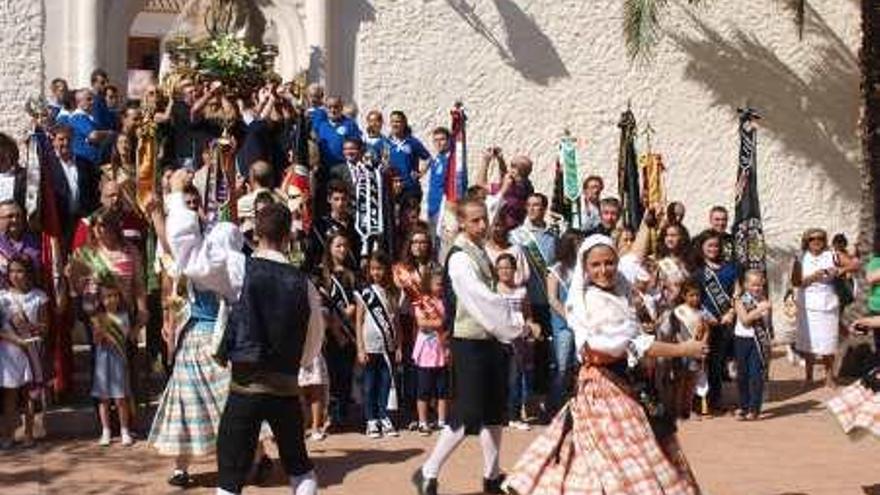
(404, 157)
(331, 135)
(437, 170)
(83, 124)
(376, 145)
(102, 115)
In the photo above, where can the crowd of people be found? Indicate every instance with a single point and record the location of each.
(330, 267)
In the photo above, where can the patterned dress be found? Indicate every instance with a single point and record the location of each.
(857, 409)
(190, 407)
(601, 442)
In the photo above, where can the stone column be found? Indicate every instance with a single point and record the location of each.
(85, 40)
(317, 14)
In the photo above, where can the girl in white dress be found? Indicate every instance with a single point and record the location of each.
(21, 348)
(818, 318)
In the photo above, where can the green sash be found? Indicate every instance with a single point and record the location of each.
(112, 328)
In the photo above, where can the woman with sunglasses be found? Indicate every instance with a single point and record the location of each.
(818, 317)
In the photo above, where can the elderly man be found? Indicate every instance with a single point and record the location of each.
(90, 142)
(134, 229)
(14, 240)
(515, 195)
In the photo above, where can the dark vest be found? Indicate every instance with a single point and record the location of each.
(269, 323)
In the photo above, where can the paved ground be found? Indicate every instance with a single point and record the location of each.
(796, 450)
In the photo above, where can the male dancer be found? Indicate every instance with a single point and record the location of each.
(482, 321)
(275, 326)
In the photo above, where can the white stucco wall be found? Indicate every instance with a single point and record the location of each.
(21, 63)
(527, 69)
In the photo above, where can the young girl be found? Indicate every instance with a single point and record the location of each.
(337, 285)
(752, 311)
(430, 352)
(21, 349)
(522, 364)
(376, 318)
(688, 323)
(112, 328)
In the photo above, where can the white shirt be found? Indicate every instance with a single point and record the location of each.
(72, 175)
(490, 309)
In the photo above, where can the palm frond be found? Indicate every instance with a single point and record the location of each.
(641, 26)
(800, 11)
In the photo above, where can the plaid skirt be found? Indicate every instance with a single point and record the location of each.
(857, 409)
(189, 410)
(600, 443)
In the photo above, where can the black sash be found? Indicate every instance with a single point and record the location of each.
(376, 307)
(717, 296)
(762, 335)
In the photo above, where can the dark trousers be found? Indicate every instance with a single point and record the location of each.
(749, 374)
(240, 430)
(720, 339)
(377, 386)
(545, 364)
(340, 367)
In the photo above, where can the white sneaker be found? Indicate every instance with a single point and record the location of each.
(105, 438)
(388, 428)
(373, 430)
(318, 436)
(127, 441)
(520, 425)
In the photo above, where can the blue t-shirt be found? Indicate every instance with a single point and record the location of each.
(437, 182)
(103, 116)
(83, 125)
(376, 145)
(331, 135)
(405, 156)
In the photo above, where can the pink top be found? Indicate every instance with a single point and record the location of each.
(428, 349)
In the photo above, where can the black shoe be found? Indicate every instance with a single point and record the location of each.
(180, 479)
(424, 486)
(262, 471)
(494, 485)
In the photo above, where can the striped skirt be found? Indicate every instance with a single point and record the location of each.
(190, 407)
(601, 443)
(857, 409)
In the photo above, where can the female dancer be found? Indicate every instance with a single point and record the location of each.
(603, 441)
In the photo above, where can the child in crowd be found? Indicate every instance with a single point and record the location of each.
(431, 353)
(522, 363)
(688, 322)
(314, 381)
(337, 284)
(377, 344)
(752, 311)
(21, 349)
(112, 328)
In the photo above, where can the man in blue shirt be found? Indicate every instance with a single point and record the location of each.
(437, 170)
(90, 143)
(101, 113)
(406, 154)
(332, 128)
(538, 241)
(376, 143)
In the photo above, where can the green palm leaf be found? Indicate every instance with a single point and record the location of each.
(641, 26)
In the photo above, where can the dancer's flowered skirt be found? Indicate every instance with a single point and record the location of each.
(190, 407)
(857, 409)
(601, 444)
